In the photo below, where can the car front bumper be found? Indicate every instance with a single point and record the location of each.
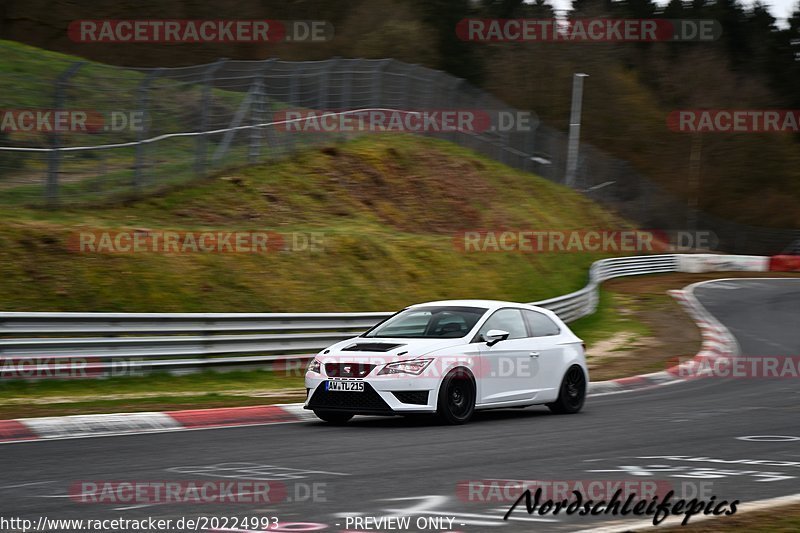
(382, 395)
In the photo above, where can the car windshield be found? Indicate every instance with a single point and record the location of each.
(429, 322)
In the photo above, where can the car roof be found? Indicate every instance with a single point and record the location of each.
(488, 304)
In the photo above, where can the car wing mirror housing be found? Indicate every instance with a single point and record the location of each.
(493, 336)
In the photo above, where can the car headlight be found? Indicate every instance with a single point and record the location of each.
(314, 366)
(406, 367)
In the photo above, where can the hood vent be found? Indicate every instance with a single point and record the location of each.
(371, 347)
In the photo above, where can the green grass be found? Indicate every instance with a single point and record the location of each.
(200, 382)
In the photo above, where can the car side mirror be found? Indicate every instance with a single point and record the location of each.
(493, 336)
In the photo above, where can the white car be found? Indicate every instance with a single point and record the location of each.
(451, 358)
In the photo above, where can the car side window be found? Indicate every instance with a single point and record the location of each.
(509, 320)
(540, 325)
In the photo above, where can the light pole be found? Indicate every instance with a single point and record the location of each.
(574, 128)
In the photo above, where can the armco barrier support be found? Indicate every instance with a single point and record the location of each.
(722, 263)
(784, 263)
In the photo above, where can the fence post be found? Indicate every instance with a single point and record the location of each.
(408, 76)
(54, 156)
(323, 90)
(202, 140)
(258, 116)
(298, 71)
(377, 82)
(143, 104)
(432, 93)
(452, 101)
(347, 84)
(432, 89)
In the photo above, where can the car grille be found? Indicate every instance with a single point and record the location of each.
(416, 397)
(348, 370)
(366, 401)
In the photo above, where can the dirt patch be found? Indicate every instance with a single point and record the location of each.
(423, 192)
(672, 333)
(608, 352)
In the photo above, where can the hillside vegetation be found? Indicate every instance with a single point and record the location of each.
(387, 208)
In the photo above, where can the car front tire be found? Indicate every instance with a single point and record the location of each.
(333, 417)
(456, 403)
(572, 393)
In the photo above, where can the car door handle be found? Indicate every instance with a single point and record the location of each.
(534, 354)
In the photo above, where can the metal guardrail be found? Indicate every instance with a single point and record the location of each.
(200, 340)
(583, 302)
(133, 323)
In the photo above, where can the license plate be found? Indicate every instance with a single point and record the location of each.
(349, 386)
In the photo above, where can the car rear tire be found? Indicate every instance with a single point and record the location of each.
(572, 393)
(333, 417)
(456, 403)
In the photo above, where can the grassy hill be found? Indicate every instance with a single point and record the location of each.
(387, 208)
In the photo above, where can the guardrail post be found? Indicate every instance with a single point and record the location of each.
(54, 156)
(143, 104)
(202, 140)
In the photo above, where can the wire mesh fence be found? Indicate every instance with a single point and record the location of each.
(115, 133)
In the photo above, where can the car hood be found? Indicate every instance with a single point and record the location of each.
(386, 349)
